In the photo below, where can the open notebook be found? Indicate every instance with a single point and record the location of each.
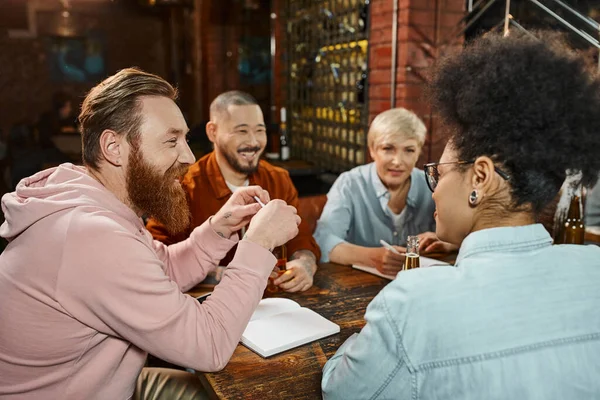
(423, 261)
(280, 324)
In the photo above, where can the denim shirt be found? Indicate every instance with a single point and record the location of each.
(592, 206)
(516, 318)
(356, 211)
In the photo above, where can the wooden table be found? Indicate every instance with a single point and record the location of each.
(340, 294)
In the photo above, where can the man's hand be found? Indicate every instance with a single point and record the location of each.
(275, 224)
(300, 272)
(238, 210)
(386, 261)
(429, 243)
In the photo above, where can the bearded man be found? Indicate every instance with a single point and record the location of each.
(87, 293)
(237, 130)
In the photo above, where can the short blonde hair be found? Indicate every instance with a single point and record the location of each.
(396, 123)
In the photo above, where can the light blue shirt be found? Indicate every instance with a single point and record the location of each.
(517, 318)
(592, 206)
(357, 212)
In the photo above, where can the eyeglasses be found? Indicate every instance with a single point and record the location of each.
(432, 174)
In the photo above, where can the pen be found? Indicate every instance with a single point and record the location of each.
(258, 201)
(389, 247)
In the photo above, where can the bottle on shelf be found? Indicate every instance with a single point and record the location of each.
(327, 20)
(284, 143)
(412, 253)
(363, 17)
(361, 84)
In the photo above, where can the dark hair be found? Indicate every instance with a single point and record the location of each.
(232, 98)
(531, 105)
(114, 104)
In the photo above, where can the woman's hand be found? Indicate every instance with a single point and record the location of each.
(387, 262)
(429, 243)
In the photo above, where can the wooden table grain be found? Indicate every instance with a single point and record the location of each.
(340, 294)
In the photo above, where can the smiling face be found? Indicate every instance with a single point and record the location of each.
(157, 161)
(395, 157)
(240, 136)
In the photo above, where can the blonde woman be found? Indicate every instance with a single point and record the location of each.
(387, 199)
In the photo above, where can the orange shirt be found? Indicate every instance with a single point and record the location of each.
(207, 192)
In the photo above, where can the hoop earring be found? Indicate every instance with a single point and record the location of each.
(474, 198)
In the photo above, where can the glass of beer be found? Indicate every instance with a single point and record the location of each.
(281, 253)
(412, 253)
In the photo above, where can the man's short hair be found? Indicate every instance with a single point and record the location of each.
(114, 104)
(222, 102)
(396, 123)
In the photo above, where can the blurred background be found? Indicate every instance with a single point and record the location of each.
(332, 64)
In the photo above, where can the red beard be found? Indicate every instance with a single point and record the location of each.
(156, 194)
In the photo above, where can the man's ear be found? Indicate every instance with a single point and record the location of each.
(211, 131)
(111, 147)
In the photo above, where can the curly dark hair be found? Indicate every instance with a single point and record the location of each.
(532, 105)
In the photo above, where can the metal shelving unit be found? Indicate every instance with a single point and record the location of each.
(327, 64)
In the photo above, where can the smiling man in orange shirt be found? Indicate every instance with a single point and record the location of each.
(238, 132)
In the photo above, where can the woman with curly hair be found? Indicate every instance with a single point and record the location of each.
(516, 318)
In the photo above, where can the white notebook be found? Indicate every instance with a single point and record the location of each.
(423, 261)
(280, 324)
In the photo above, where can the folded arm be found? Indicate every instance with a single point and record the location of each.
(335, 221)
(332, 232)
(350, 254)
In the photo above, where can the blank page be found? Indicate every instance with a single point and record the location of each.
(424, 262)
(272, 306)
(277, 333)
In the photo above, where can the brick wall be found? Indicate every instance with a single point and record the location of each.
(225, 22)
(424, 26)
(220, 55)
(279, 78)
(132, 39)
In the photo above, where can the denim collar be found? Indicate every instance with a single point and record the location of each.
(504, 239)
(381, 190)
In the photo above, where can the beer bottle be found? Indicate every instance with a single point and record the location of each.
(412, 253)
(363, 17)
(281, 253)
(284, 144)
(574, 230)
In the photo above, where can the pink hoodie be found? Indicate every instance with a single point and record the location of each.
(86, 293)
